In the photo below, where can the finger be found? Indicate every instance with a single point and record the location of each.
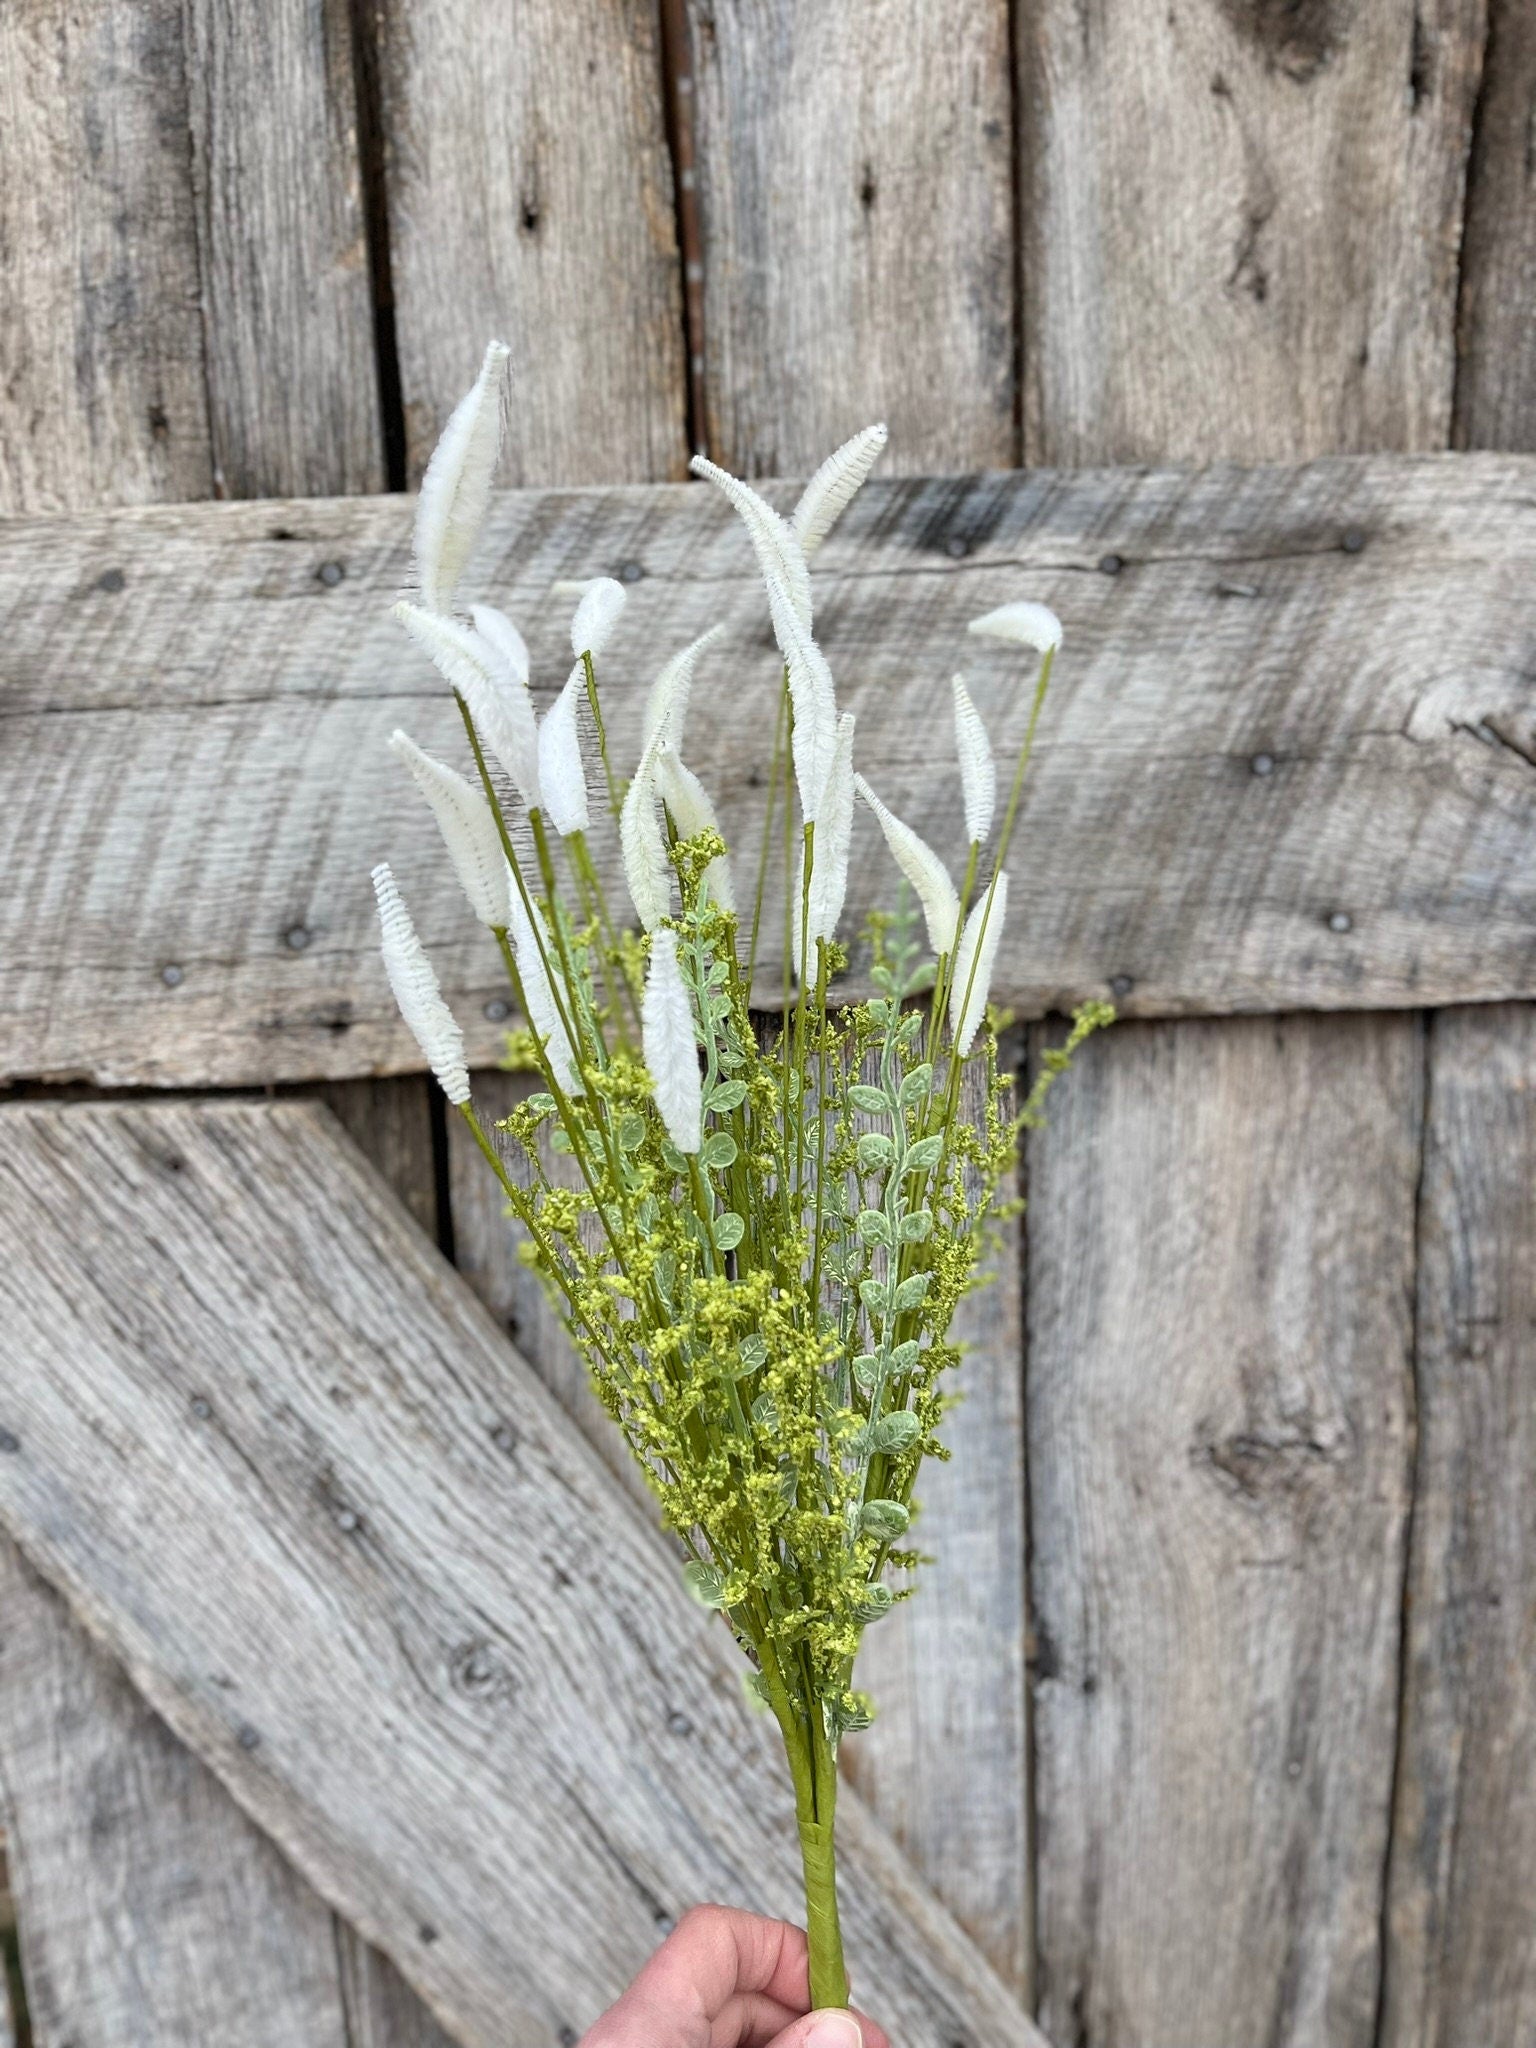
(828, 2029)
(716, 1953)
(751, 2020)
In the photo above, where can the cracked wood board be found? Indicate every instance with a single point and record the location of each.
(153, 1911)
(1220, 1436)
(1271, 774)
(281, 1464)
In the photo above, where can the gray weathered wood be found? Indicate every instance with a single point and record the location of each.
(1220, 1419)
(383, 1588)
(855, 166)
(154, 1913)
(391, 1124)
(7, 1929)
(530, 197)
(1286, 763)
(1240, 225)
(100, 330)
(1461, 1957)
(1496, 367)
(287, 311)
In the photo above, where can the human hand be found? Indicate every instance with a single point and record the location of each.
(725, 1979)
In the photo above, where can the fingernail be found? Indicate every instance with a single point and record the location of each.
(835, 2030)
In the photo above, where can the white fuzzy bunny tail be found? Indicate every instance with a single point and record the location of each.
(539, 994)
(499, 633)
(1026, 623)
(643, 844)
(975, 958)
(562, 779)
(416, 991)
(692, 813)
(498, 702)
(830, 848)
(457, 486)
(814, 699)
(827, 496)
(468, 828)
(978, 771)
(922, 868)
(596, 616)
(779, 553)
(671, 1055)
(666, 708)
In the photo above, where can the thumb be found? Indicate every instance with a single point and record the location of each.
(826, 2029)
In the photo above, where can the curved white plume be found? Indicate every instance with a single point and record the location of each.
(643, 844)
(596, 616)
(814, 700)
(692, 812)
(562, 779)
(978, 771)
(666, 708)
(498, 631)
(830, 848)
(457, 486)
(538, 993)
(779, 553)
(827, 495)
(416, 991)
(468, 828)
(1029, 624)
(671, 1055)
(498, 701)
(922, 868)
(975, 958)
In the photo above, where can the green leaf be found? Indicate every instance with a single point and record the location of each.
(875, 1296)
(541, 1104)
(924, 1155)
(674, 1160)
(755, 1686)
(765, 1413)
(914, 1228)
(666, 1271)
(718, 1150)
(884, 1519)
(704, 1582)
(918, 1086)
(904, 1357)
(873, 1101)
(897, 1431)
(729, 1231)
(866, 1368)
(910, 1293)
(875, 1149)
(753, 1351)
(726, 1095)
(560, 1139)
(874, 1601)
(874, 1226)
(631, 1133)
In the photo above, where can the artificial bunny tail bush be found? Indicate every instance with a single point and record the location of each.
(761, 1248)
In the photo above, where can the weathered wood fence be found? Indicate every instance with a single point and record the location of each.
(1216, 1725)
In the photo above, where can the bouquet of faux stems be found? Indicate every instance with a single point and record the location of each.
(763, 1241)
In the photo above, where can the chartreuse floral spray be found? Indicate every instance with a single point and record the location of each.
(762, 1244)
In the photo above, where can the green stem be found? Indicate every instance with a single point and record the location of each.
(814, 1816)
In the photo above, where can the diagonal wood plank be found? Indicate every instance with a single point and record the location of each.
(1220, 1427)
(1461, 1956)
(154, 1913)
(1307, 670)
(344, 1543)
(1240, 225)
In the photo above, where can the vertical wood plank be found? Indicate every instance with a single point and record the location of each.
(391, 1124)
(100, 332)
(1496, 372)
(1220, 1416)
(1461, 1957)
(530, 196)
(855, 165)
(287, 306)
(1240, 225)
(152, 1911)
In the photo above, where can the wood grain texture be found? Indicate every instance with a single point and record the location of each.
(390, 1122)
(287, 309)
(855, 167)
(100, 330)
(946, 1764)
(154, 1914)
(530, 197)
(1496, 365)
(1461, 1959)
(387, 1593)
(1324, 673)
(1240, 225)
(1220, 1421)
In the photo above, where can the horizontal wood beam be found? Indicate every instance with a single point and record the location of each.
(1289, 761)
(281, 1463)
